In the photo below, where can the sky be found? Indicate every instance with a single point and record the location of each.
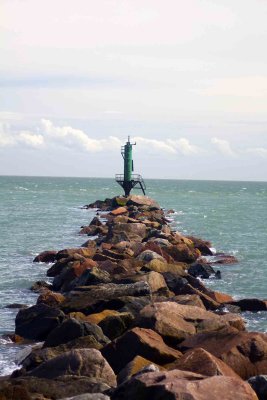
(187, 80)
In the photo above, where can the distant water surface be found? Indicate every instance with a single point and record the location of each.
(39, 213)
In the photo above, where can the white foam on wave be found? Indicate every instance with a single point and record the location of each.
(7, 369)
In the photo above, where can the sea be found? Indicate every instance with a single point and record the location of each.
(46, 213)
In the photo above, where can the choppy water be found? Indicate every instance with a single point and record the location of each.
(37, 214)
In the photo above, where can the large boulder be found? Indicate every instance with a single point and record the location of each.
(138, 200)
(202, 362)
(84, 297)
(178, 385)
(174, 322)
(38, 321)
(244, 352)
(138, 341)
(79, 362)
(72, 329)
(46, 256)
(259, 385)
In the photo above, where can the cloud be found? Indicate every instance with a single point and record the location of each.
(70, 137)
(170, 146)
(184, 147)
(30, 139)
(258, 151)
(224, 147)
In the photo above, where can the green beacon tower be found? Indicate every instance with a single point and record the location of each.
(128, 180)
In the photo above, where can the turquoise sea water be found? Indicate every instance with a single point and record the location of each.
(39, 213)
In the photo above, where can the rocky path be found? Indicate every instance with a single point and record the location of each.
(126, 317)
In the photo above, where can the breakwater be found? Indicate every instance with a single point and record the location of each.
(129, 301)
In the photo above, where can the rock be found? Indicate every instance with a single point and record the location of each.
(88, 396)
(97, 318)
(40, 355)
(119, 211)
(80, 362)
(93, 276)
(253, 305)
(16, 305)
(40, 286)
(138, 341)
(178, 384)
(37, 321)
(73, 329)
(220, 297)
(50, 298)
(132, 368)
(183, 253)
(202, 245)
(86, 252)
(202, 362)
(46, 256)
(149, 255)
(114, 326)
(244, 352)
(189, 300)
(87, 296)
(137, 200)
(221, 258)
(154, 279)
(174, 322)
(63, 386)
(124, 231)
(104, 205)
(259, 385)
(234, 320)
(160, 266)
(155, 247)
(204, 271)
(71, 272)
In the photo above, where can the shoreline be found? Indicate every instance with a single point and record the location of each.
(119, 271)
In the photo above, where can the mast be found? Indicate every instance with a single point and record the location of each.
(128, 181)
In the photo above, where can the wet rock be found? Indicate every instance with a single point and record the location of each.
(202, 362)
(178, 384)
(93, 276)
(221, 258)
(138, 341)
(204, 271)
(16, 305)
(149, 255)
(137, 200)
(119, 211)
(124, 231)
(253, 305)
(244, 352)
(37, 321)
(203, 246)
(80, 362)
(72, 329)
(98, 317)
(46, 256)
(259, 385)
(220, 297)
(71, 272)
(40, 286)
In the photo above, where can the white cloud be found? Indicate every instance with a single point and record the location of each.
(184, 147)
(258, 151)
(30, 139)
(224, 147)
(69, 137)
(158, 145)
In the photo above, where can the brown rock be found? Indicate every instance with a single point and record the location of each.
(161, 266)
(119, 211)
(79, 362)
(203, 245)
(138, 341)
(253, 305)
(46, 256)
(174, 321)
(87, 252)
(138, 200)
(183, 253)
(114, 326)
(202, 362)
(244, 352)
(189, 300)
(96, 318)
(178, 384)
(50, 298)
(132, 368)
(221, 297)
